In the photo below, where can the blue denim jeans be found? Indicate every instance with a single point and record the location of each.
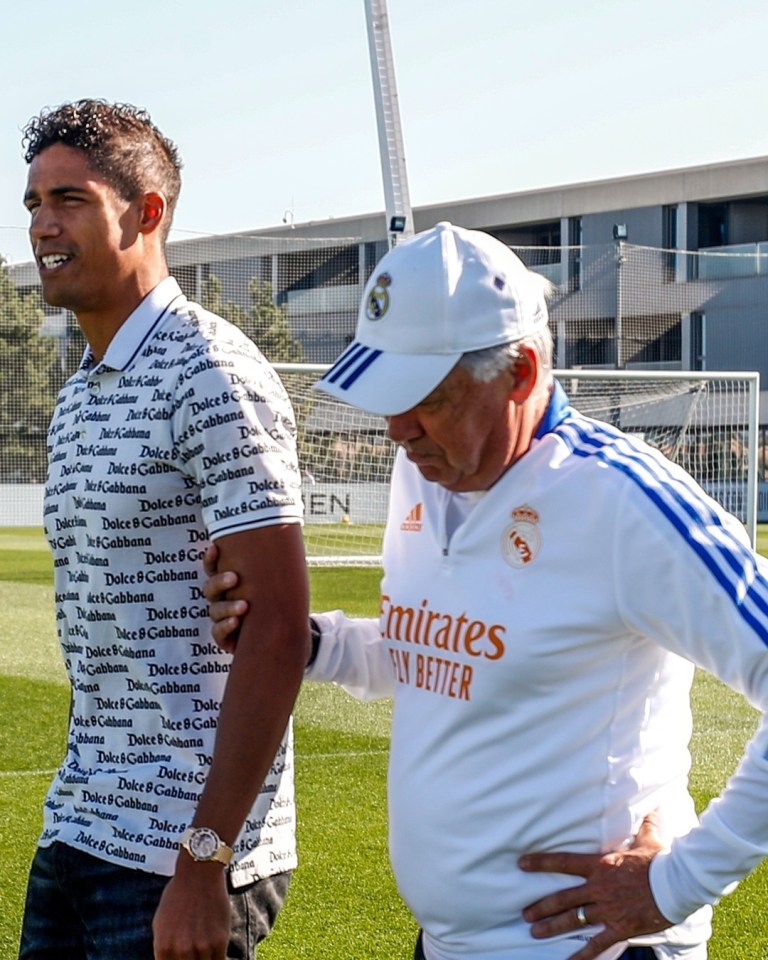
(82, 908)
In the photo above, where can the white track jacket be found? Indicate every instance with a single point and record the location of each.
(540, 660)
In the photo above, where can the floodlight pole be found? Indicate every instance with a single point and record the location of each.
(397, 202)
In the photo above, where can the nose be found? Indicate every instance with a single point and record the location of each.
(403, 427)
(44, 223)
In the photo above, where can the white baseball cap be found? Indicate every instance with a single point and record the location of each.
(431, 299)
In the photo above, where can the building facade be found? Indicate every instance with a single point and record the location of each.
(661, 271)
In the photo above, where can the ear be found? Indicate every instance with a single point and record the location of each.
(153, 211)
(525, 375)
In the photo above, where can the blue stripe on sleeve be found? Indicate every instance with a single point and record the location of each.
(729, 561)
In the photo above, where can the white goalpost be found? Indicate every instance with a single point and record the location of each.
(705, 421)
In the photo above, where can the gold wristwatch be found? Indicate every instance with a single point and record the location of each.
(203, 843)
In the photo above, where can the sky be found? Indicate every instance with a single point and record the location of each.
(271, 104)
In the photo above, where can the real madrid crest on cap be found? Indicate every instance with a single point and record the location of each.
(521, 541)
(378, 298)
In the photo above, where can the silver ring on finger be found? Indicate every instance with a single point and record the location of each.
(581, 916)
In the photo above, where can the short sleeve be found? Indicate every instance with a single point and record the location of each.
(235, 436)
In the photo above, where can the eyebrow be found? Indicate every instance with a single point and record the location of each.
(55, 191)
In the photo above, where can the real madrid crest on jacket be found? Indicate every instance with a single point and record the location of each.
(521, 541)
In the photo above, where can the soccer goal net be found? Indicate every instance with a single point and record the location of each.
(706, 422)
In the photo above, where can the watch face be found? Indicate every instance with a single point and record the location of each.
(204, 843)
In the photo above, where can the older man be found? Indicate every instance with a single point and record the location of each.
(549, 583)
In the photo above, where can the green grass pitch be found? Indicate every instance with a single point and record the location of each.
(343, 901)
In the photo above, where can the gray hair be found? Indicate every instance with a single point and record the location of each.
(485, 365)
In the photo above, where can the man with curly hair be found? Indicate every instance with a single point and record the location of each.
(169, 830)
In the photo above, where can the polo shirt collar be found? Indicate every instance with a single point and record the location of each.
(138, 328)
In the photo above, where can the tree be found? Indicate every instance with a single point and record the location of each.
(29, 380)
(263, 321)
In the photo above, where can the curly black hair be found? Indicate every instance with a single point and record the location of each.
(121, 142)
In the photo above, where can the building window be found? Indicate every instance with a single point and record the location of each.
(669, 241)
(652, 341)
(713, 224)
(698, 358)
(575, 238)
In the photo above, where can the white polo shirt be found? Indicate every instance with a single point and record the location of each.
(181, 434)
